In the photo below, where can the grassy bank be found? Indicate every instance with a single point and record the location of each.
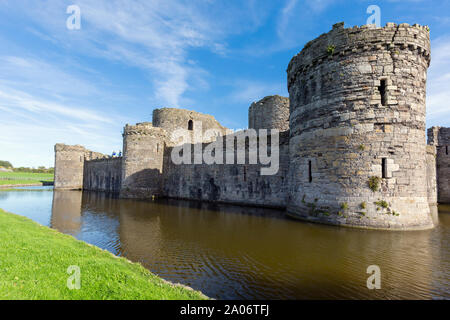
(24, 178)
(34, 260)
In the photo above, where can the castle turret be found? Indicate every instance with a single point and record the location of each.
(69, 165)
(269, 113)
(357, 123)
(142, 164)
(171, 119)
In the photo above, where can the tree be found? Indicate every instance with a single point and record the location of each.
(5, 164)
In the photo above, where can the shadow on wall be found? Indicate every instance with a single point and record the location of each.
(142, 184)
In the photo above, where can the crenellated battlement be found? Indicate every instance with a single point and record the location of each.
(61, 147)
(145, 128)
(341, 43)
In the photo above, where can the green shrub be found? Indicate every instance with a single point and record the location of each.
(344, 206)
(374, 183)
(330, 49)
(363, 205)
(382, 204)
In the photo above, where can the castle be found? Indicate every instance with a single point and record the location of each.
(352, 144)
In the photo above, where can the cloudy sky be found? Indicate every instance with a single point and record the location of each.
(129, 57)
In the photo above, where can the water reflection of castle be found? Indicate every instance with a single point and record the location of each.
(204, 245)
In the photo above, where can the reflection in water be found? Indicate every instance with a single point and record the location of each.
(237, 252)
(66, 211)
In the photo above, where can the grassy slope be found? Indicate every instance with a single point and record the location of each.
(34, 261)
(15, 178)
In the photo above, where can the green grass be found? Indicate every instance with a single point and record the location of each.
(17, 178)
(34, 260)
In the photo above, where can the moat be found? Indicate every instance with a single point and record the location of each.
(231, 252)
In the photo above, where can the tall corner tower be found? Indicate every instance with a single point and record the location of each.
(357, 128)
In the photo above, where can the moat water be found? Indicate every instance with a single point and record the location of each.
(231, 252)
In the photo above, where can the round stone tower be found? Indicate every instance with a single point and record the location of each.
(269, 113)
(171, 119)
(357, 128)
(143, 154)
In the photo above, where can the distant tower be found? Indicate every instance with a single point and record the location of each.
(69, 166)
(357, 125)
(269, 113)
(142, 164)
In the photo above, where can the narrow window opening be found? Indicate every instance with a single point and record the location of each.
(305, 94)
(446, 150)
(310, 171)
(191, 125)
(382, 89)
(245, 173)
(383, 168)
(157, 148)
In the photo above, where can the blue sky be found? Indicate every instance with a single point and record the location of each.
(129, 57)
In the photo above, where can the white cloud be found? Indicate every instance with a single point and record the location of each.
(248, 91)
(319, 5)
(31, 126)
(50, 98)
(285, 15)
(154, 35)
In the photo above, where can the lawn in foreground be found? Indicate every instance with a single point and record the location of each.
(20, 178)
(34, 260)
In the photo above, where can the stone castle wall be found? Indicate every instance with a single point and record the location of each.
(431, 175)
(103, 175)
(352, 140)
(358, 111)
(440, 138)
(231, 183)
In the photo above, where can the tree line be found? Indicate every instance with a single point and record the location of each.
(41, 169)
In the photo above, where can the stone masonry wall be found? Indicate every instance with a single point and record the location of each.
(269, 113)
(431, 175)
(440, 138)
(358, 115)
(171, 119)
(69, 164)
(231, 183)
(103, 175)
(143, 152)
